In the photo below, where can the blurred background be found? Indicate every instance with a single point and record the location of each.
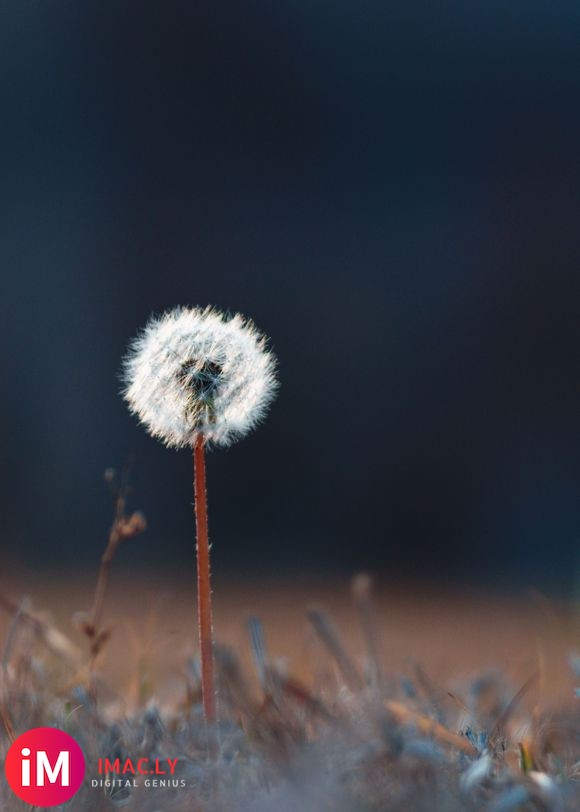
(389, 189)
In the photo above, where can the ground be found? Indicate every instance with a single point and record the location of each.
(399, 731)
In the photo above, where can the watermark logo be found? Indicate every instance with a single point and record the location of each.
(45, 767)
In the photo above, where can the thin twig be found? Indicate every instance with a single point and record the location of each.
(429, 727)
(123, 527)
(499, 727)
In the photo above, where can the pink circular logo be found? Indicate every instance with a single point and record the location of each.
(45, 767)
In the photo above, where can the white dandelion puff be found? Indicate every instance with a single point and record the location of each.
(195, 372)
(195, 377)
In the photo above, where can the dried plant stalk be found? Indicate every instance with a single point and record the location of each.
(429, 727)
(123, 527)
(329, 636)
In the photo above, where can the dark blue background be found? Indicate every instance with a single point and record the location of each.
(390, 189)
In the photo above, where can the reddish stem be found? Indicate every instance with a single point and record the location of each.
(203, 584)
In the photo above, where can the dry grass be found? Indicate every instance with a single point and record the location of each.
(391, 706)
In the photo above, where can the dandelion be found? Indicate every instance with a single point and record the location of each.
(195, 377)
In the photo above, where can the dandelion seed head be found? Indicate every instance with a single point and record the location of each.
(195, 371)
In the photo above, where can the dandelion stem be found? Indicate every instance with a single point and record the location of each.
(203, 584)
